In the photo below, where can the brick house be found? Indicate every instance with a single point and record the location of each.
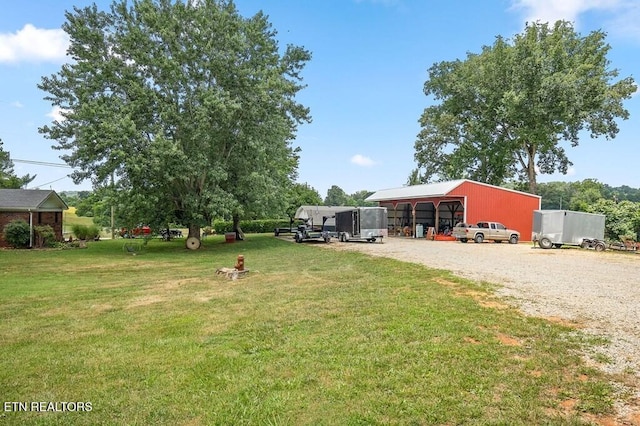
(34, 206)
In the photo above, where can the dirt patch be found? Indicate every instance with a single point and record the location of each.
(507, 340)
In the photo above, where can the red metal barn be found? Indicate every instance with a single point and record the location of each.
(439, 206)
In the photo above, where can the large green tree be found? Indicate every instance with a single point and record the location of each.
(510, 111)
(337, 197)
(622, 219)
(8, 178)
(184, 109)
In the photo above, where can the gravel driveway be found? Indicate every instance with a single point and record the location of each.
(600, 291)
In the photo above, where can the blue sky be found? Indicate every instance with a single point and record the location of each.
(370, 61)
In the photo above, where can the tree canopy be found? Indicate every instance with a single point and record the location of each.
(186, 110)
(8, 178)
(510, 111)
(336, 196)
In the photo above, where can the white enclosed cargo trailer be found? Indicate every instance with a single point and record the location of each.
(555, 228)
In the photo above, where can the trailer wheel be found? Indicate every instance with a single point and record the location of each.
(298, 237)
(342, 237)
(545, 243)
(557, 246)
(463, 240)
(372, 240)
(600, 246)
(513, 239)
(327, 239)
(585, 244)
(479, 238)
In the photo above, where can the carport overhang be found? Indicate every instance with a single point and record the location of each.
(438, 201)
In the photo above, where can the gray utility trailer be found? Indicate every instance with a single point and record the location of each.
(319, 222)
(362, 224)
(555, 228)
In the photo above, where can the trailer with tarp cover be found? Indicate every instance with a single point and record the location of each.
(319, 222)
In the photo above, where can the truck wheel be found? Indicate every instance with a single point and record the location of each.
(585, 244)
(463, 240)
(545, 243)
(342, 238)
(479, 238)
(600, 246)
(298, 238)
(327, 239)
(513, 239)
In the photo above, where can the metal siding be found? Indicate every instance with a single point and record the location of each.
(513, 209)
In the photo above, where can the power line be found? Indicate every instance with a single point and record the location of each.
(53, 181)
(41, 163)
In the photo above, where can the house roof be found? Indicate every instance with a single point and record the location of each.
(31, 200)
(437, 189)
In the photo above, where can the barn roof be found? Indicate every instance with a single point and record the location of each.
(437, 189)
(31, 199)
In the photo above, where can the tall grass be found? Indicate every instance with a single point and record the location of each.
(310, 336)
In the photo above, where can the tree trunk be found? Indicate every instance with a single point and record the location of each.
(236, 228)
(194, 232)
(531, 170)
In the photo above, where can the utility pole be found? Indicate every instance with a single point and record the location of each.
(113, 212)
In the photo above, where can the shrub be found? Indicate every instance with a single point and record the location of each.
(94, 232)
(17, 233)
(44, 236)
(83, 232)
(250, 226)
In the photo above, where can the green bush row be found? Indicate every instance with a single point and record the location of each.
(250, 226)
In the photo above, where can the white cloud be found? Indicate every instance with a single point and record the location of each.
(56, 114)
(552, 10)
(621, 17)
(361, 160)
(17, 104)
(33, 44)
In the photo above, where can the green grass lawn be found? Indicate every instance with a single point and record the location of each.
(310, 336)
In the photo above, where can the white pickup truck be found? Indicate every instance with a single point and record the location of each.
(493, 231)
